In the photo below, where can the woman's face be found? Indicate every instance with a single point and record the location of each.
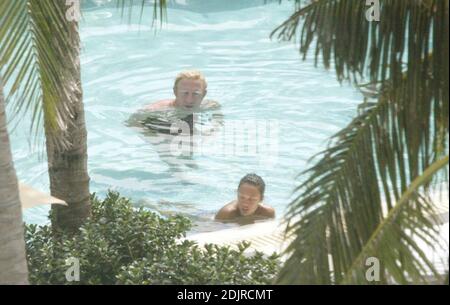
(249, 198)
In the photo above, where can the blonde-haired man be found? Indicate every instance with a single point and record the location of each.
(190, 88)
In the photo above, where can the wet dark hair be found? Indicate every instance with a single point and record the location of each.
(255, 180)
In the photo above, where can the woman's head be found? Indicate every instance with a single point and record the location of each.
(250, 194)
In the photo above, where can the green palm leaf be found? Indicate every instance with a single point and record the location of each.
(346, 197)
(408, 31)
(374, 161)
(30, 64)
(408, 216)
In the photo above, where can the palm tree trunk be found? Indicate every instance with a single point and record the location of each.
(13, 264)
(69, 179)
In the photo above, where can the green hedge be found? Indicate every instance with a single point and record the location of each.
(124, 245)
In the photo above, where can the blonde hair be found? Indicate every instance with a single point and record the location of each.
(190, 74)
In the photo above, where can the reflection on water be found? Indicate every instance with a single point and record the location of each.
(178, 121)
(202, 221)
(175, 133)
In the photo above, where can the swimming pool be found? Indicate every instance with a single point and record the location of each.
(256, 80)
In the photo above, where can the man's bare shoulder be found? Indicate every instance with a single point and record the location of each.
(159, 105)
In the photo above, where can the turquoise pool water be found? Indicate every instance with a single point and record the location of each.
(125, 66)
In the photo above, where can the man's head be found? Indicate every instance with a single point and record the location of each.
(250, 193)
(189, 89)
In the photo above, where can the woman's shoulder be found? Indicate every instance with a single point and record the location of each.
(228, 211)
(266, 210)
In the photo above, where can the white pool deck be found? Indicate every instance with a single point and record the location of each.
(267, 237)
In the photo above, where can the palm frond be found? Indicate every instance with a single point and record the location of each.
(349, 191)
(341, 33)
(159, 9)
(401, 41)
(371, 163)
(410, 42)
(405, 215)
(35, 59)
